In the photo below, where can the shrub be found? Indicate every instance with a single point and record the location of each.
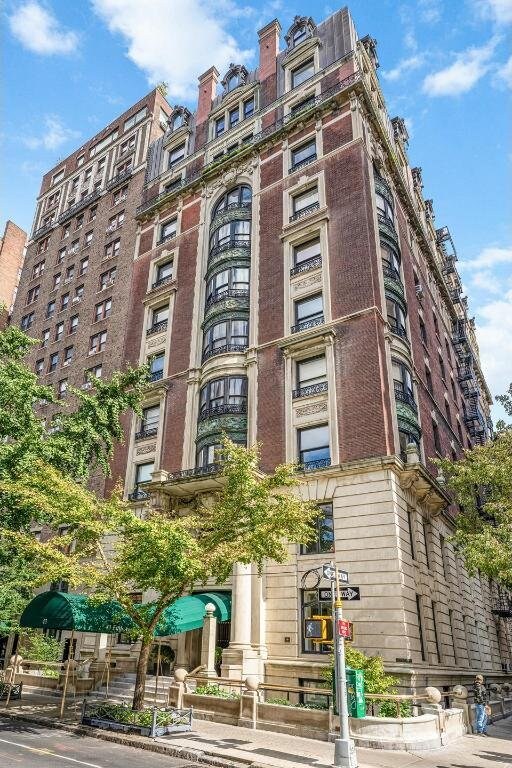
(212, 689)
(282, 702)
(37, 647)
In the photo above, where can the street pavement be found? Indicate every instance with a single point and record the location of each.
(34, 746)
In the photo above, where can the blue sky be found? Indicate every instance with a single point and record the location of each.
(446, 67)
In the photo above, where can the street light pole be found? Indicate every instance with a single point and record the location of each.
(344, 749)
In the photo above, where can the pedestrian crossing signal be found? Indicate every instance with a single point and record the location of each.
(318, 628)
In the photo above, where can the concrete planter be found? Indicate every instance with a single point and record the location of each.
(420, 733)
(213, 708)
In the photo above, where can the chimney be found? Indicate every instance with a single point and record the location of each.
(269, 48)
(207, 87)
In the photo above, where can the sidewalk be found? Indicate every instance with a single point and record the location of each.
(225, 745)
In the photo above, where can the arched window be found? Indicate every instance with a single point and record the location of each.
(303, 27)
(299, 35)
(238, 197)
(177, 121)
(233, 82)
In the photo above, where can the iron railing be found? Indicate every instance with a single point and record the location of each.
(233, 242)
(186, 474)
(305, 211)
(390, 271)
(221, 410)
(44, 230)
(305, 266)
(303, 163)
(211, 352)
(397, 328)
(227, 293)
(78, 206)
(156, 375)
(157, 328)
(145, 432)
(310, 389)
(138, 495)
(165, 238)
(244, 206)
(112, 715)
(310, 466)
(161, 281)
(119, 178)
(405, 396)
(305, 324)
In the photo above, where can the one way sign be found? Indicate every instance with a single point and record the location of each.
(346, 593)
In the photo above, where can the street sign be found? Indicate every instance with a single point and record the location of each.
(329, 572)
(345, 629)
(346, 593)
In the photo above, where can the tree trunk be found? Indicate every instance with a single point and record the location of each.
(140, 675)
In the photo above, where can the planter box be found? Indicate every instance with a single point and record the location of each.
(95, 715)
(213, 708)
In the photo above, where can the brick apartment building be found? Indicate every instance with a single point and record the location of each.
(282, 273)
(12, 250)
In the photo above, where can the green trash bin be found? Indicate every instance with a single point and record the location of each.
(355, 692)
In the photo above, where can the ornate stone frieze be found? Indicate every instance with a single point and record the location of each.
(142, 449)
(309, 410)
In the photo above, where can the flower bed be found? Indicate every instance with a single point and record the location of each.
(152, 721)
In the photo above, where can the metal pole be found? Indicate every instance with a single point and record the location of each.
(109, 656)
(66, 676)
(344, 749)
(159, 644)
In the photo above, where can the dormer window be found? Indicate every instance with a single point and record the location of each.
(180, 117)
(299, 35)
(233, 82)
(302, 28)
(235, 76)
(177, 121)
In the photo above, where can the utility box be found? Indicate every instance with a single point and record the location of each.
(356, 701)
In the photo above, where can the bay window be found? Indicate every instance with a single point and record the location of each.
(224, 395)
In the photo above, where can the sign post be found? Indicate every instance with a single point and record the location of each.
(344, 749)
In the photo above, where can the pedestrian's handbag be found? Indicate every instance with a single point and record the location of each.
(487, 710)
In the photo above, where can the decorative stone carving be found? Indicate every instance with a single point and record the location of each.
(235, 70)
(400, 130)
(228, 177)
(309, 410)
(156, 341)
(145, 449)
(417, 177)
(305, 23)
(307, 282)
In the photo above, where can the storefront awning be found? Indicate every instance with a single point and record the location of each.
(64, 610)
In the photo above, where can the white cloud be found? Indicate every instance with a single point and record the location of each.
(488, 258)
(467, 69)
(175, 41)
(39, 31)
(486, 281)
(430, 11)
(404, 66)
(504, 73)
(498, 10)
(494, 334)
(55, 135)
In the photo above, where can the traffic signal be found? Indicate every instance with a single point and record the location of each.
(318, 629)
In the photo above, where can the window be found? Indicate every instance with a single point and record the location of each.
(97, 342)
(125, 167)
(70, 272)
(168, 230)
(107, 278)
(26, 321)
(234, 116)
(112, 249)
(311, 376)
(56, 280)
(208, 455)
(159, 319)
(324, 530)
(420, 627)
(304, 203)
(79, 222)
(43, 245)
(150, 419)
(119, 195)
(177, 121)
(79, 291)
(229, 282)
(176, 155)
(444, 563)
(143, 472)
(428, 379)
(45, 337)
(88, 239)
(234, 234)
(73, 248)
(391, 261)
(396, 317)
(304, 104)
(448, 351)
(308, 312)
(58, 176)
(156, 367)
(62, 387)
(61, 255)
(423, 332)
(233, 81)
(447, 411)
(103, 310)
(384, 208)
(249, 107)
(115, 222)
(227, 336)
(436, 636)
(93, 212)
(53, 362)
(426, 543)
(50, 309)
(68, 355)
(436, 436)
(39, 366)
(410, 528)
(33, 294)
(459, 431)
(436, 325)
(303, 72)
(312, 605)
(314, 447)
(299, 35)
(127, 145)
(304, 154)
(80, 161)
(59, 332)
(220, 125)
(84, 264)
(135, 119)
(38, 269)
(238, 197)
(73, 324)
(104, 142)
(225, 395)
(163, 273)
(307, 254)
(94, 372)
(402, 381)
(66, 229)
(442, 368)
(64, 301)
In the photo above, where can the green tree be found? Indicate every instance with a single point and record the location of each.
(43, 470)
(250, 520)
(481, 484)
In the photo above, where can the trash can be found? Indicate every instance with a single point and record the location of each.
(356, 701)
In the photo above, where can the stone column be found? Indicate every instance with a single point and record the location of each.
(100, 646)
(240, 659)
(208, 642)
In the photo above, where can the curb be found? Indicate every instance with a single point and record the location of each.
(194, 755)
